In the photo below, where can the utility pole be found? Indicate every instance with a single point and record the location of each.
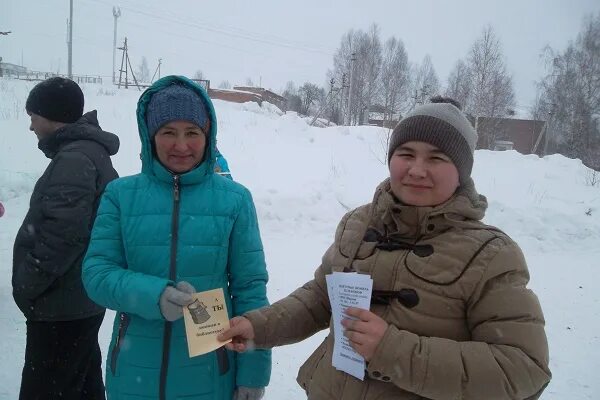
(547, 131)
(325, 104)
(125, 62)
(341, 97)
(156, 70)
(70, 40)
(349, 115)
(116, 14)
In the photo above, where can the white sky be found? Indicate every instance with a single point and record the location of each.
(275, 41)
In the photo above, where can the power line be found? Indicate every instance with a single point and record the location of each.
(225, 29)
(220, 31)
(178, 34)
(170, 33)
(173, 51)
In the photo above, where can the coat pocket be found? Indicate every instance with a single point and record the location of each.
(124, 320)
(447, 262)
(222, 360)
(307, 370)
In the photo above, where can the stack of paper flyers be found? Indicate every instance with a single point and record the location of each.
(347, 290)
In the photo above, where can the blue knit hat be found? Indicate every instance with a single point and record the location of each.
(175, 102)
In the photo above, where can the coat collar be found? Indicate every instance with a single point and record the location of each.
(86, 128)
(390, 216)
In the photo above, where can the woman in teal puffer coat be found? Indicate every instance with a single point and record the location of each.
(176, 228)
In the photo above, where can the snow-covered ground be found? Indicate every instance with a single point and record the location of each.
(303, 179)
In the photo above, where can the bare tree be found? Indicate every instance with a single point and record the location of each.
(342, 67)
(225, 85)
(290, 87)
(198, 75)
(491, 93)
(367, 70)
(309, 94)
(293, 100)
(143, 72)
(358, 59)
(338, 89)
(249, 82)
(425, 83)
(459, 83)
(570, 96)
(395, 78)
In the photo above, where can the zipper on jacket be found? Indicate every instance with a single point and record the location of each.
(123, 324)
(164, 368)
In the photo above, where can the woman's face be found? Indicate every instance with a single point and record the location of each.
(180, 145)
(421, 175)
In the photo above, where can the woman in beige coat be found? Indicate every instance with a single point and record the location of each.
(451, 316)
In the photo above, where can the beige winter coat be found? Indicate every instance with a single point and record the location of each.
(475, 332)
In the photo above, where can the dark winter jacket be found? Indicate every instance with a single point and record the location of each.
(52, 241)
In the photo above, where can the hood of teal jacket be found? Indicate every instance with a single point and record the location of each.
(150, 164)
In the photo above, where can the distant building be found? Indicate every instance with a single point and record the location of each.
(266, 95)
(379, 116)
(522, 134)
(203, 82)
(234, 96)
(503, 145)
(8, 69)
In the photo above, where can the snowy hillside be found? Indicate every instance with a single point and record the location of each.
(303, 180)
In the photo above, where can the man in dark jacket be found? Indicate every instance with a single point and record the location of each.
(62, 356)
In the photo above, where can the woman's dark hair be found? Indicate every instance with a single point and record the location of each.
(442, 99)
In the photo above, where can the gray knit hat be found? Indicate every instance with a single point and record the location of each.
(175, 102)
(443, 125)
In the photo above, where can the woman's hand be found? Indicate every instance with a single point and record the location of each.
(241, 334)
(365, 332)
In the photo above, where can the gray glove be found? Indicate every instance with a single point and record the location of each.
(248, 393)
(173, 299)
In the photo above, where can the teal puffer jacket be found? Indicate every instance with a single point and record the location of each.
(155, 229)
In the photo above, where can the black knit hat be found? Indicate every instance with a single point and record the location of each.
(57, 99)
(442, 124)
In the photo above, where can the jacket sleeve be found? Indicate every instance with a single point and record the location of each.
(68, 205)
(507, 357)
(247, 285)
(105, 276)
(304, 312)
